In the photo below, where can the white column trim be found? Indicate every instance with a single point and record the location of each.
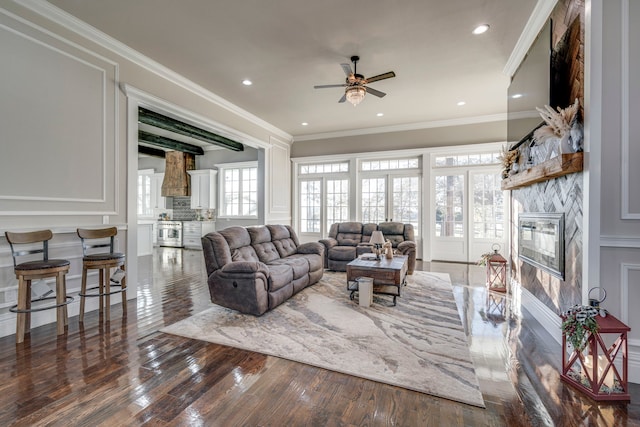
(625, 166)
(625, 268)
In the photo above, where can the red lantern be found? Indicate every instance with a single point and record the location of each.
(599, 370)
(496, 271)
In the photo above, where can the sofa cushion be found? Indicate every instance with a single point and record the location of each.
(299, 266)
(284, 239)
(391, 228)
(280, 275)
(314, 260)
(239, 242)
(367, 231)
(261, 242)
(342, 253)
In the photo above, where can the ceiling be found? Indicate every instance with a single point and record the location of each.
(287, 46)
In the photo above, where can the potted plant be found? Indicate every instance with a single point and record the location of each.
(577, 322)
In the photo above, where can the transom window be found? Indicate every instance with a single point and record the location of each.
(239, 189)
(391, 164)
(467, 159)
(324, 168)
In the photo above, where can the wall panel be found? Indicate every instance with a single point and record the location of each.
(63, 100)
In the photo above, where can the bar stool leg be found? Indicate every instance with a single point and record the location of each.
(101, 289)
(107, 290)
(64, 294)
(60, 299)
(83, 291)
(123, 286)
(23, 297)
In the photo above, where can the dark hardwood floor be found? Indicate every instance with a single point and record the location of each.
(125, 372)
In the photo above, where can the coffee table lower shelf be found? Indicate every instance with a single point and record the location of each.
(352, 286)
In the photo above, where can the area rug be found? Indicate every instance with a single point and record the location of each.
(419, 344)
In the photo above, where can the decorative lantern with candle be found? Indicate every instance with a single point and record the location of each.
(598, 370)
(496, 270)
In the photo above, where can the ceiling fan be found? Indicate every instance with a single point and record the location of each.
(356, 84)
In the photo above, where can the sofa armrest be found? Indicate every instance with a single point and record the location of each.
(245, 267)
(311, 248)
(329, 242)
(406, 246)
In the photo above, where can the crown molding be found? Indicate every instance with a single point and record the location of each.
(404, 127)
(539, 16)
(85, 30)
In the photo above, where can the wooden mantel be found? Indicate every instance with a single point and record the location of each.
(553, 168)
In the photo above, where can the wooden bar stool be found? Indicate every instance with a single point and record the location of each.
(38, 269)
(103, 261)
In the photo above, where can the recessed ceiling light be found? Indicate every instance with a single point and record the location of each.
(305, 124)
(516, 95)
(247, 82)
(480, 29)
(461, 103)
(380, 114)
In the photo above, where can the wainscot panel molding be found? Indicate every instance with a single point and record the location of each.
(630, 108)
(620, 242)
(72, 23)
(279, 179)
(79, 115)
(625, 270)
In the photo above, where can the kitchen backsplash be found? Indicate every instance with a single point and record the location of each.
(182, 209)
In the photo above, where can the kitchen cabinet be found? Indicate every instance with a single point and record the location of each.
(157, 201)
(203, 188)
(145, 238)
(192, 232)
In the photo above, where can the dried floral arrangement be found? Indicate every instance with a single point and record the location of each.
(558, 123)
(507, 157)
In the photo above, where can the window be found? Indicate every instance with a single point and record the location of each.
(310, 206)
(239, 189)
(467, 159)
(449, 199)
(323, 196)
(488, 205)
(145, 208)
(390, 191)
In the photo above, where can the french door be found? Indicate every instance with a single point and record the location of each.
(391, 197)
(468, 215)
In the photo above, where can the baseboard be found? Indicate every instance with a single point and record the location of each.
(547, 318)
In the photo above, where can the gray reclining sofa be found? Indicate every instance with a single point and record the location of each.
(254, 269)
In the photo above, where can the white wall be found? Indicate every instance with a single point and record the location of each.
(620, 146)
(69, 135)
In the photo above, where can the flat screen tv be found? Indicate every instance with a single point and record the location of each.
(543, 78)
(530, 88)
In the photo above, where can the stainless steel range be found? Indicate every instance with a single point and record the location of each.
(170, 234)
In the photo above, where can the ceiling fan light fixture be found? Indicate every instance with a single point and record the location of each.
(355, 94)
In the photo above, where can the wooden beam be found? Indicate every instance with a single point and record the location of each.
(163, 122)
(149, 151)
(169, 143)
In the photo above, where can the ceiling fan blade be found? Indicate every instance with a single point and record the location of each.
(326, 86)
(381, 77)
(347, 69)
(344, 98)
(377, 93)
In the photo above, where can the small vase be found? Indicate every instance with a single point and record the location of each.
(565, 144)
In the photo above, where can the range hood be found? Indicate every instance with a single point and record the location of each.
(177, 181)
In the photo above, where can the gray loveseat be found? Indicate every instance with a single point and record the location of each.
(255, 269)
(348, 240)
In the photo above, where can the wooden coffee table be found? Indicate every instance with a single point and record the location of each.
(389, 275)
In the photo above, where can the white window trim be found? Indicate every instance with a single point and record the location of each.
(221, 168)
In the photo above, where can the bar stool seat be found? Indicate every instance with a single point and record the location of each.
(104, 262)
(33, 270)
